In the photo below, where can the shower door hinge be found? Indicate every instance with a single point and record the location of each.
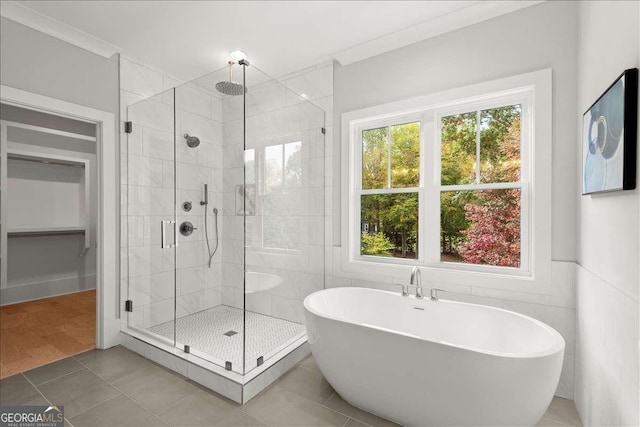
(323, 130)
(128, 305)
(260, 360)
(227, 366)
(187, 349)
(128, 127)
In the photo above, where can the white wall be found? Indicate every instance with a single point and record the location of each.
(36, 62)
(542, 36)
(607, 275)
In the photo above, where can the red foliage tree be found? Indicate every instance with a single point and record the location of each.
(494, 235)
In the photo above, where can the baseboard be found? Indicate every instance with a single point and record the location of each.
(35, 291)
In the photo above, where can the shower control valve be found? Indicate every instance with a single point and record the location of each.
(186, 228)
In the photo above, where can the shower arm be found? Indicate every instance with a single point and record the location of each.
(231, 63)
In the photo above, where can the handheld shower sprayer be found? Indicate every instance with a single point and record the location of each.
(205, 203)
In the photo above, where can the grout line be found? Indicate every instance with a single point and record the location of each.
(60, 376)
(96, 405)
(122, 392)
(37, 389)
(44, 397)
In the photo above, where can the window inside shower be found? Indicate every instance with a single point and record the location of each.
(221, 274)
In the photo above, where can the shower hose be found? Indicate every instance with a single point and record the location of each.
(206, 233)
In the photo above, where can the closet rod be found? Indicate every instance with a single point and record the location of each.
(48, 162)
(14, 234)
(51, 131)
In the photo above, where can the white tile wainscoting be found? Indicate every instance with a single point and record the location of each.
(607, 340)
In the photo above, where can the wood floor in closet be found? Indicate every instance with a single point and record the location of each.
(35, 333)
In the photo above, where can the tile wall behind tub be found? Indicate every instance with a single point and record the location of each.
(147, 167)
(275, 116)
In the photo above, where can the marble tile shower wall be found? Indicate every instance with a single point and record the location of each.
(147, 176)
(286, 228)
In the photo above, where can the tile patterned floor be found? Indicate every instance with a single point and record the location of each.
(204, 331)
(117, 387)
(38, 332)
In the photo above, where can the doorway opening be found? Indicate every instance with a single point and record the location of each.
(48, 228)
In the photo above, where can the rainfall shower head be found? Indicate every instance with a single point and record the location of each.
(192, 141)
(230, 87)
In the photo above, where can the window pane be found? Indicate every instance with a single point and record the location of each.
(272, 167)
(480, 227)
(375, 158)
(500, 144)
(250, 166)
(293, 164)
(389, 225)
(405, 155)
(458, 149)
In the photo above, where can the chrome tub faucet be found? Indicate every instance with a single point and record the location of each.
(416, 279)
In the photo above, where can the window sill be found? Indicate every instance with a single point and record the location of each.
(444, 275)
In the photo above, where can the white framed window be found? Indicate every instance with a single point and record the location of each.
(448, 182)
(272, 201)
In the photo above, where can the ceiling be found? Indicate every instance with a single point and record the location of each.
(190, 38)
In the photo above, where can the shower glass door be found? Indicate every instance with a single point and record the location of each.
(149, 217)
(210, 259)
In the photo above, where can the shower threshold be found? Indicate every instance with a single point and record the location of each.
(208, 369)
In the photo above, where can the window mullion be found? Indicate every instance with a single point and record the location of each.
(388, 156)
(478, 147)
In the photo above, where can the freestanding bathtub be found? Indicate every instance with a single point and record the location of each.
(433, 363)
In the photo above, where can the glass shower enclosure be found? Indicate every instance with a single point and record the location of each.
(223, 217)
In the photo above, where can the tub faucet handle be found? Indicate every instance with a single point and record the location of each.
(434, 294)
(405, 289)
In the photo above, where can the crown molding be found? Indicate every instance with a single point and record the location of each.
(30, 18)
(478, 12)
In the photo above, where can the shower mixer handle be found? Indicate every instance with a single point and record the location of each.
(186, 228)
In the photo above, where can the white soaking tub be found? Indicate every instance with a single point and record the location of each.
(433, 363)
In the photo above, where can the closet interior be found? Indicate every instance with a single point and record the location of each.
(48, 197)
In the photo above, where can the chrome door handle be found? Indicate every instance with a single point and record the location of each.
(164, 235)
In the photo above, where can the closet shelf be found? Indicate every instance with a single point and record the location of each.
(45, 231)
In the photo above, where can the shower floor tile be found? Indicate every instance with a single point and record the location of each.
(212, 332)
